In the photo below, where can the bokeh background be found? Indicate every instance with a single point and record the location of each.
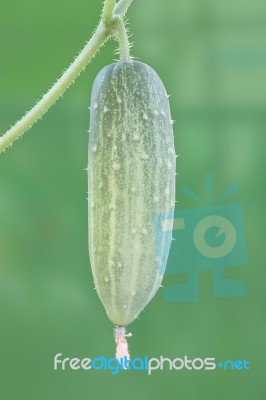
(211, 56)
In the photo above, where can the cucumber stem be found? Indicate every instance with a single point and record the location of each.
(122, 37)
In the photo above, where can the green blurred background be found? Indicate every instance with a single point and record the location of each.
(211, 56)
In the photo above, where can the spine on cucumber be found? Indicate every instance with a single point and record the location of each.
(131, 176)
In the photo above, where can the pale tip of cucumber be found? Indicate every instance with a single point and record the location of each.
(121, 343)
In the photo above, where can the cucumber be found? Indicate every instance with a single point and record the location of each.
(131, 176)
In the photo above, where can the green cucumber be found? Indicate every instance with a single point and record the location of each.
(131, 176)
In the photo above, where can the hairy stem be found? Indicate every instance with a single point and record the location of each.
(112, 15)
(122, 7)
(108, 12)
(122, 38)
(57, 90)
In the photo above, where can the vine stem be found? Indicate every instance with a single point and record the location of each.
(56, 90)
(110, 24)
(122, 7)
(108, 11)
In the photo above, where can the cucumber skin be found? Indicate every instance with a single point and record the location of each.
(131, 176)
